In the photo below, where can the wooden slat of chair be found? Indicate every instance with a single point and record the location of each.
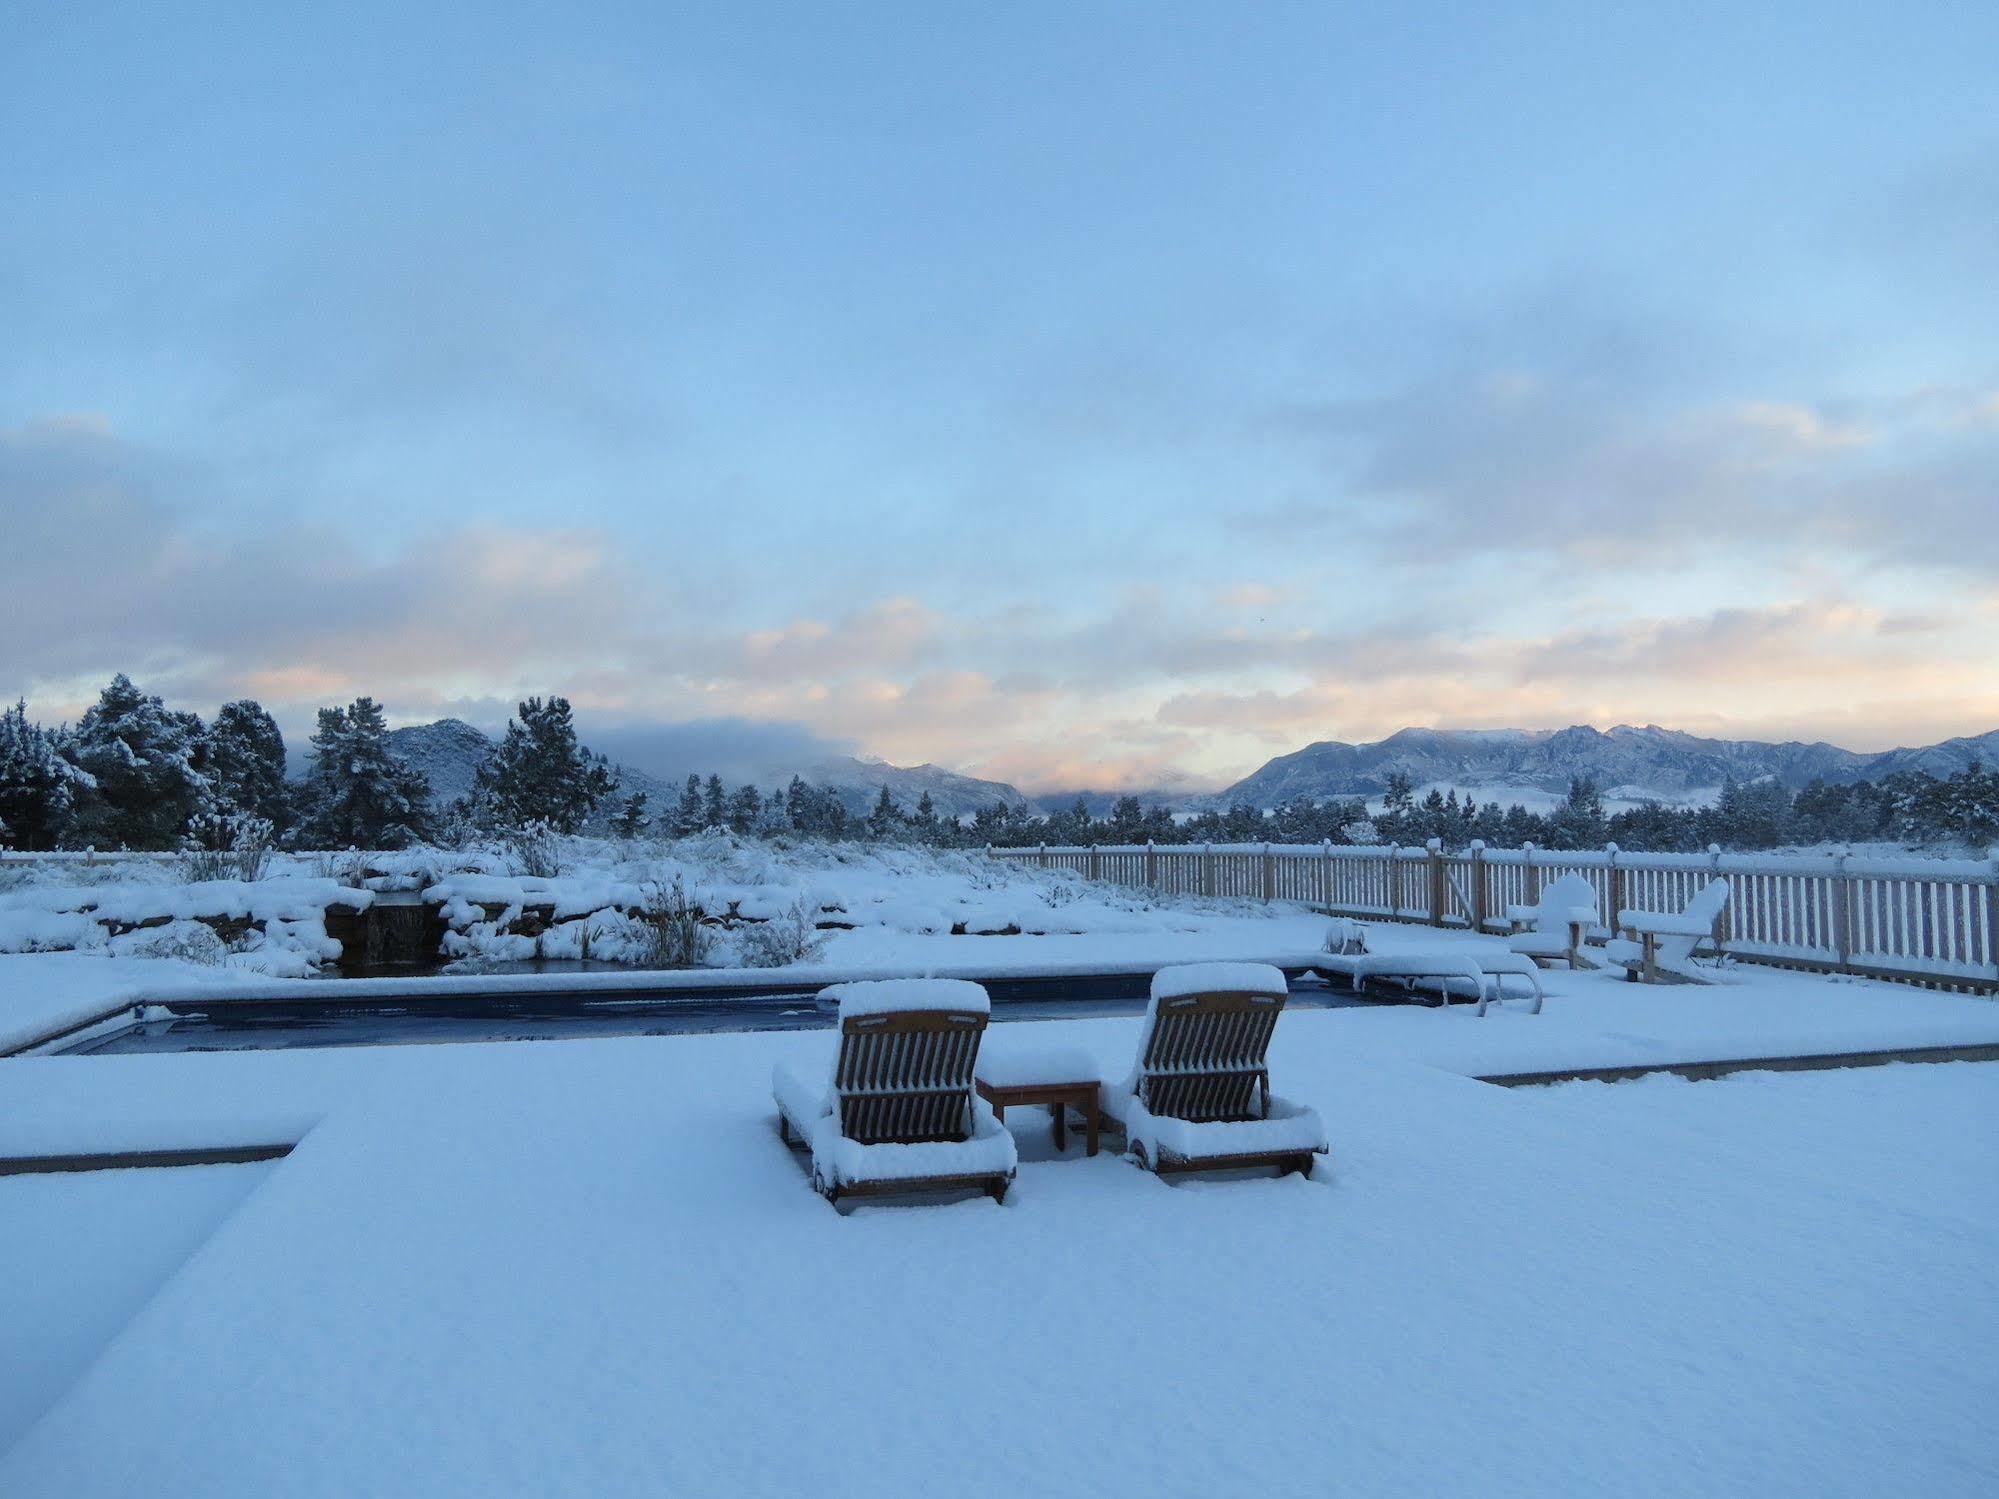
(907, 1077)
(1205, 1059)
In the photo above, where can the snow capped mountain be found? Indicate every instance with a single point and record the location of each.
(1626, 762)
(951, 794)
(449, 752)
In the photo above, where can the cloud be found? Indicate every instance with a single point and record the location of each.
(1598, 450)
(737, 749)
(119, 566)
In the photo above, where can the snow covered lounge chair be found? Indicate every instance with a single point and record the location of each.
(1551, 930)
(1483, 971)
(1665, 945)
(895, 1111)
(1199, 1096)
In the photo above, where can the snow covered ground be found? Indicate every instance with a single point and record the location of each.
(591, 1268)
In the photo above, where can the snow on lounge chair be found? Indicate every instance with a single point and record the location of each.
(1484, 969)
(1665, 945)
(1198, 1098)
(895, 1112)
(1551, 930)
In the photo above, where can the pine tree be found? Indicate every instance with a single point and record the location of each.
(884, 821)
(1579, 821)
(744, 806)
(145, 761)
(926, 814)
(714, 805)
(631, 819)
(539, 773)
(38, 787)
(246, 763)
(1127, 822)
(798, 805)
(358, 794)
(687, 817)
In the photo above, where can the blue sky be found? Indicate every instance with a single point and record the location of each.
(1079, 394)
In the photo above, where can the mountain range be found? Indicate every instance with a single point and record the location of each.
(449, 752)
(1627, 763)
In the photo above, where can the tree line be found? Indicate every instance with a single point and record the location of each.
(1907, 807)
(134, 773)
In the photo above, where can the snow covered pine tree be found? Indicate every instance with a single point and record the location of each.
(539, 773)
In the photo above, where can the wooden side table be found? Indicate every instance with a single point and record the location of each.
(1060, 1095)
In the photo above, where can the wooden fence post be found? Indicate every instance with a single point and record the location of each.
(1614, 886)
(1435, 849)
(1326, 872)
(1207, 869)
(1531, 880)
(1842, 911)
(1269, 873)
(1477, 852)
(1722, 926)
(1992, 920)
(1151, 866)
(1090, 862)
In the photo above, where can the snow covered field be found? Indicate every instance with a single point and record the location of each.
(590, 1267)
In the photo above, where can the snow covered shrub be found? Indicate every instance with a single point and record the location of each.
(675, 937)
(225, 845)
(783, 940)
(1059, 894)
(342, 869)
(537, 849)
(186, 941)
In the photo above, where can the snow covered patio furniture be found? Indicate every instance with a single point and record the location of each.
(1483, 971)
(1198, 1097)
(1665, 942)
(894, 1111)
(1062, 1077)
(1551, 930)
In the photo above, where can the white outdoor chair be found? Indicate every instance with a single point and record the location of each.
(1659, 946)
(1551, 930)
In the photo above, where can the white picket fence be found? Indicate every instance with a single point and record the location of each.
(1927, 921)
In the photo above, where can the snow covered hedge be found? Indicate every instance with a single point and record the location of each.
(757, 903)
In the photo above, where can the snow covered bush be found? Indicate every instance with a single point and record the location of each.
(783, 940)
(186, 941)
(537, 849)
(226, 845)
(675, 936)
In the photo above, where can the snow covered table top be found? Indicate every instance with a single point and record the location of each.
(1007, 1064)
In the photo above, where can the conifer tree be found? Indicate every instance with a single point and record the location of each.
(744, 806)
(358, 794)
(687, 817)
(539, 773)
(246, 763)
(145, 763)
(884, 820)
(38, 787)
(631, 819)
(714, 805)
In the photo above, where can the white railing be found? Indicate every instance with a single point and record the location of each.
(1929, 921)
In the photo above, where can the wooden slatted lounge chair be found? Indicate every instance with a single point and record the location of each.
(1659, 946)
(1551, 930)
(1199, 1095)
(895, 1111)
